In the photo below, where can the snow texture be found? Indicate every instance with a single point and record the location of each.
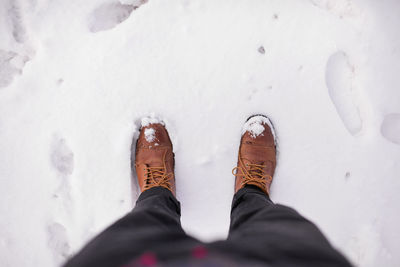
(152, 119)
(76, 77)
(149, 134)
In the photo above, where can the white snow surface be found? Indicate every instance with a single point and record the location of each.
(76, 77)
(149, 134)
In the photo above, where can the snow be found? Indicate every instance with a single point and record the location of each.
(76, 77)
(255, 127)
(149, 134)
(151, 119)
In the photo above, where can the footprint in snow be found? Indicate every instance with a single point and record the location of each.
(11, 64)
(16, 17)
(62, 160)
(109, 15)
(62, 157)
(16, 36)
(339, 80)
(390, 128)
(57, 241)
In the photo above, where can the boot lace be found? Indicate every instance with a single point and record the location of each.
(157, 176)
(254, 174)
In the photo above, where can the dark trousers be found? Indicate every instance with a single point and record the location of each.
(261, 234)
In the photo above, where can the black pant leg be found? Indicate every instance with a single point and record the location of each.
(277, 234)
(152, 226)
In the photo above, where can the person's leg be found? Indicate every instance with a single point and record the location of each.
(151, 231)
(277, 234)
(261, 230)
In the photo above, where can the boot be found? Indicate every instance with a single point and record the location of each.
(257, 154)
(154, 160)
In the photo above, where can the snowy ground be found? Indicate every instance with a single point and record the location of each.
(77, 76)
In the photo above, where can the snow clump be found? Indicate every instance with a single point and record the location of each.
(149, 134)
(255, 126)
(146, 121)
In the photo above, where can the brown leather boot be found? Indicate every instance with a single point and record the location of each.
(257, 154)
(154, 160)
